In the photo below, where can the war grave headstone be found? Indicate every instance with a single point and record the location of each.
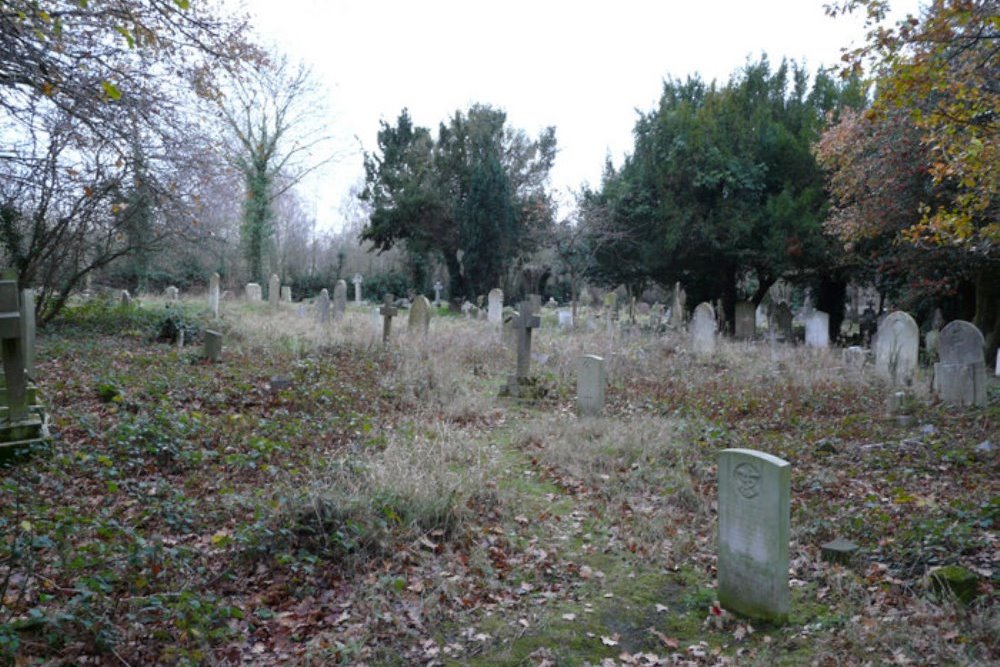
(213, 295)
(495, 305)
(171, 294)
(960, 376)
(703, 330)
(437, 293)
(274, 290)
(591, 380)
(213, 346)
(818, 329)
(754, 494)
(286, 293)
(253, 293)
(357, 280)
(896, 348)
(22, 419)
(420, 316)
(746, 324)
(523, 323)
(781, 321)
(387, 311)
(323, 306)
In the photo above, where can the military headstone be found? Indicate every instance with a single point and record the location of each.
(339, 300)
(960, 376)
(253, 293)
(745, 321)
(818, 329)
(495, 305)
(420, 315)
(896, 348)
(703, 330)
(590, 385)
(323, 306)
(274, 290)
(754, 494)
(213, 346)
(357, 280)
(387, 311)
(213, 295)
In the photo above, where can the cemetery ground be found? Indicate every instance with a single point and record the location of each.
(317, 498)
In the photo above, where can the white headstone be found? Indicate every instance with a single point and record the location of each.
(590, 385)
(495, 306)
(897, 347)
(213, 295)
(357, 280)
(703, 330)
(323, 306)
(171, 293)
(339, 300)
(253, 293)
(754, 494)
(960, 376)
(286, 293)
(818, 329)
(565, 319)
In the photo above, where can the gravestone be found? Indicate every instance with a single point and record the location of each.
(420, 316)
(357, 280)
(781, 318)
(253, 293)
(525, 321)
(703, 330)
(213, 346)
(896, 348)
(495, 306)
(28, 330)
(551, 303)
(286, 293)
(754, 494)
(339, 300)
(818, 329)
(591, 380)
(274, 290)
(323, 306)
(171, 294)
(677, 307)
(960, 376)
(213, 295)
(467, 308)
(437, 293)
(126, 299)
(387, 311)
(565, 319)
(746, 324)
(21, 417)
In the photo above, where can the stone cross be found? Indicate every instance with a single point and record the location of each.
(274, 290)
(754, 493)
(387, 311)
(357, 280)
(437, 293)
(12, 351)
(524, 323)
(591, 379)
(213, 295)
(323, 306)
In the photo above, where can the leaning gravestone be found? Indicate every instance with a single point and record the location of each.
(754, 492)
(213, 295)
(818, 329)
(591, 380)
(896, 348)
(960, 376)
(339, 300)
(274, 290)
(703, 330)
(323, 306)
(213, 346)
(420, 316)
(286, 293)
(495, 305)
(746, 324)
(253, 293)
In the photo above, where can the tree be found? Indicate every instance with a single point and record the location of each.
(472, 195)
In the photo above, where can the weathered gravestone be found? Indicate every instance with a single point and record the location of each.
(171, 294)
(703, 330)
(213, 346)
(387, 311)
(495, 306)
(323, 306)
(253, 293)
(565, 319)
(746, 323)
(678, 306)
(591, 380)
(525, 321)
(357, 280)
(960, 376)
(286, 293)
(754, 492)
(420, 316)
(781, 321)
(274, 290)
(437, 293)
(22, 420)
(896, 348)
(213, 295)
(126, 299)
(818, 329)
(339, 300)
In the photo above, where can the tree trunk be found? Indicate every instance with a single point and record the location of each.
(830, 298)
(729, 297)
(988, 309)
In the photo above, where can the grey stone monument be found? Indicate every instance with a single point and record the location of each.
(746, 323)
(817, 329)
(896, 348)
(703, 330)
(591, 380)
(437, 293)
(171, 294)
(286, 293)
(253, 293)
(565, 319)
(960, 376)
(323, 306)
(357, 280)
(495, 306)
(419, 320)
(387, 311)
(754, 493)
(213, 295)
(339, 300)
(274, 290)
(126, 299)
(213, 346)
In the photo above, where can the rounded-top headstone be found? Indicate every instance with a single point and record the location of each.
(897, 347)
(960, 342)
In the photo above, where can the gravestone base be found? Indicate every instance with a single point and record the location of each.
(961, 384)
(526, 387)
(18, 437)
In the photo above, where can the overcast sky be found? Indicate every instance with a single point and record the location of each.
(584, 67)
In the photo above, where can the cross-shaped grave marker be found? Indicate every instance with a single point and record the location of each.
(387, 311)
(524, 323)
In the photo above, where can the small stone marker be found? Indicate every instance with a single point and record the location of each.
(960, 376)
(565, 319)
(523, 324)
(754, 492)
(591, 380)
(323, 306)
(494, 304)
(746, 323)
(896, 348)
(339, 300)
(126, 299)
(839, 551)
(171, 294)
(420, 316)
(437, 293)
(703, 330)
(286, 293)
(818, 329)
(213, 295)
(253, 293)
(357, 280)
(387, 311)
(274, 290)
(213, 346)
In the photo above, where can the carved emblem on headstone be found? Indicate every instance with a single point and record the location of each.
(747, 478)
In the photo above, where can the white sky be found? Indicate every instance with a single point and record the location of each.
(584, 67)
